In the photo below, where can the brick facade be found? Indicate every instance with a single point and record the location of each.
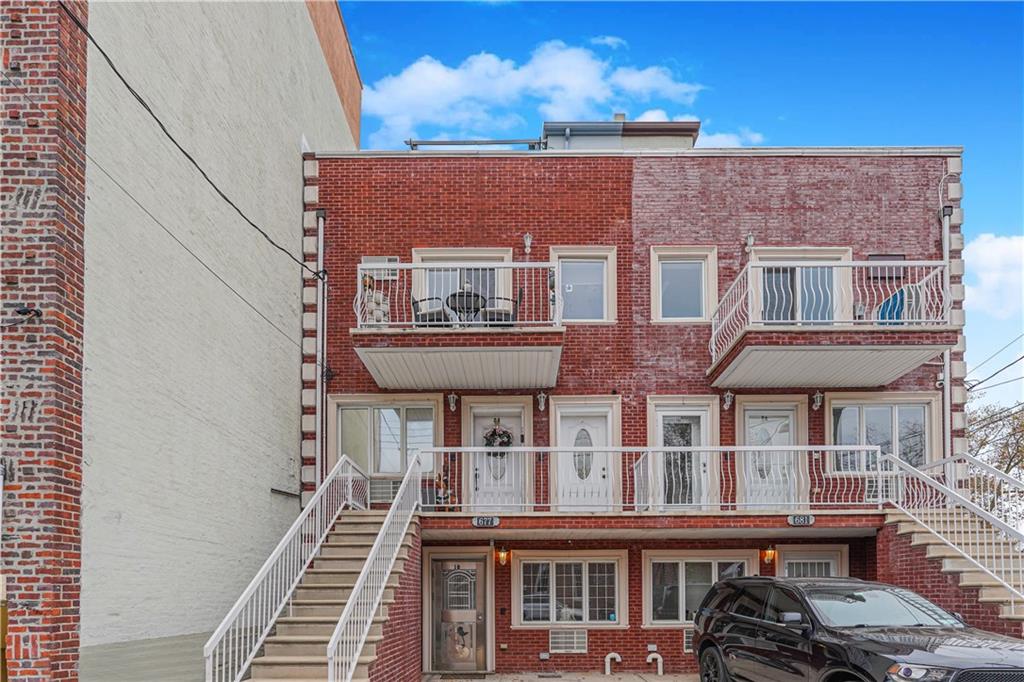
(390, 205)
(43, 188)
(399, 655)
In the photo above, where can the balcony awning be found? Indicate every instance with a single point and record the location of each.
(441, 368)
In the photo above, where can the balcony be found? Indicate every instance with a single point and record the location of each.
(462, 325)
(655, 481)
(830, 324)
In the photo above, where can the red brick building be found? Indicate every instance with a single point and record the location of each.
(630, 367)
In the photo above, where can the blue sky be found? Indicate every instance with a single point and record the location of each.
(754, 74)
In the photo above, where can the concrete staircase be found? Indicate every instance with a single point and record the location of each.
(296, 651)
(968, 534)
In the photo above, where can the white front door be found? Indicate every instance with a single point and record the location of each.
(498, 478)
(584, 477)
(681, 478)
(770, 477)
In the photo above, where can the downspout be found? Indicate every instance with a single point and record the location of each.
(947, 379)
(321, 333)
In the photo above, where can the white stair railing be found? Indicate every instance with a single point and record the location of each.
(240, 635)
(992, 545)
(354, 624)
(995, 491)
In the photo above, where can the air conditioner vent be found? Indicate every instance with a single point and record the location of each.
(688, 641)
(567, 641)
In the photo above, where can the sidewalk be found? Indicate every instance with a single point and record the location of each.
(563, 677)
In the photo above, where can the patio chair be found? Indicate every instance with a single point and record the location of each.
(423, 316)
(496, 314)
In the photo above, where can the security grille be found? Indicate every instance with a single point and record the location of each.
(567, 641)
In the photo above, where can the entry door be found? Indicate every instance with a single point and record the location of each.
(498, 479)
(770, 478)
(681, 478)
(584, 477)
(459, 614)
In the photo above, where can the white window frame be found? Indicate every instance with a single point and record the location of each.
(454, 256)
(764, 256)
(838, 555)
(370, 402)
(707, 256)
(552, 557)
(750, 556)
(931, 401)
(591, 253)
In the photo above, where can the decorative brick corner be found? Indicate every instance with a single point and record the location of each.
(43, 190)
(310, 310)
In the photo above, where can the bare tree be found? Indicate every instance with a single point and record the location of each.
(995, 434)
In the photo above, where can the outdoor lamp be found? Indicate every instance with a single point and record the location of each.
(768, 555)
(502, 555)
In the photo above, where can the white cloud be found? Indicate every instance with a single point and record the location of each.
(653, 115)
(480, 95)
(744, 137)
(995, 266)
(614, 42)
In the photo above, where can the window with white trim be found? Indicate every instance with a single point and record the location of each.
(678, 586)
(823, 561)
(684, 283)
(587, 279)
(896, 428)
(381, 439)
(569, 591)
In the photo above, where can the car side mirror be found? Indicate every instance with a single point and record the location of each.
(793, 619)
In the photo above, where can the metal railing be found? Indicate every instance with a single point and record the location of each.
(816, 294)
(476, 295)
(995, 491)
(593, 479)
(238, 638)
(984, 540)
(356, 620)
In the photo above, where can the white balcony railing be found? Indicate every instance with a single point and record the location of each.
(572, 480)
(817, 294)
(478, 295)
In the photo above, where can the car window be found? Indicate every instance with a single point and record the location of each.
(784, 601)
(719, 599)
(876, 605)
(750, 602)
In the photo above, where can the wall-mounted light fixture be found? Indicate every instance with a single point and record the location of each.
(748, 243)
(502, 556)
(768, 555)
(817, 400)
(727, 399)
(527, 242)
(452, 398)
(542, 400)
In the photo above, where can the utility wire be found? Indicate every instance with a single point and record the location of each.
(180, 243)
(185, 153)
(1000, 371)
(997, 416)
(1001, 383)
(27, 314)
(986, 360)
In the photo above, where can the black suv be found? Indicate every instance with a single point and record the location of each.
(842, 630)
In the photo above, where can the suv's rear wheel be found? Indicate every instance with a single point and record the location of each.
(712, 667)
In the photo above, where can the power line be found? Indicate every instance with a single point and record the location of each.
(180, 243)
(1000, 371)
(998, 416)
(986, 360)
(1001, 383)
(185, 153)
(26, 313)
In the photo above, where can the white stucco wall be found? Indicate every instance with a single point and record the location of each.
(191, 410)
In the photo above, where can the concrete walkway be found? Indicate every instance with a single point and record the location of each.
(566, 677)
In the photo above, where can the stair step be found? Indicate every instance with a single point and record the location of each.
(316, 625)
(333, 575)
(312, 667)
(330, 607)
(310, 645)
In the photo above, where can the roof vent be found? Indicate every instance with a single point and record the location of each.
(619, 117)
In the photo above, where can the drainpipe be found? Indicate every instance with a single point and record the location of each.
(321, 333)
(947, 379)
(608, 662)
(661, 662)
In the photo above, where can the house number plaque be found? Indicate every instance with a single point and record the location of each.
(486, 521)
(801, 520)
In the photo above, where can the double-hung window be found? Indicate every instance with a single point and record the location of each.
(382, 438)
(586, 280)
(566, 592)
(684, 283)
(899, 429)
(676, 586)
